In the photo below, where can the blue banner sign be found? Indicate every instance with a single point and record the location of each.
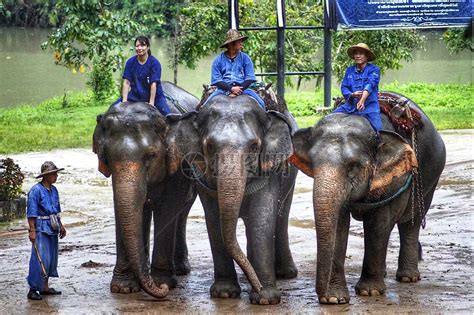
(370, 14)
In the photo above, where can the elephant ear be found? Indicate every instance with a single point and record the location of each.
(98, 146)
(182, 140)
(302, 141)
(394, 158)
(276, 145)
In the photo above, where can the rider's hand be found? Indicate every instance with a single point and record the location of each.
(237, 90)
(32, 235)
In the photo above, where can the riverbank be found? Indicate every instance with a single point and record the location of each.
(68, 121)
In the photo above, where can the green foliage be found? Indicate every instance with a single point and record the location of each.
(11, 179)
(92, 34)
(204, 24)
(458, 39)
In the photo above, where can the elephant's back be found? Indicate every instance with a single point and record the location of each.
(178, 99)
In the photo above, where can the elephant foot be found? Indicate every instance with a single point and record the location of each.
(335, 296)
(183, 267)
(161, 277)
(124, 284)
(225, 290)
(370, 287)
(265, 297)
(408, 276)
(286, 270)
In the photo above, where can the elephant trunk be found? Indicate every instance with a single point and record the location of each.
(231, 181)
(130, 192)
(328, 200)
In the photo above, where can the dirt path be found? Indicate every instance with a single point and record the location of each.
(87, 254)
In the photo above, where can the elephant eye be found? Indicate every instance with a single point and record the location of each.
(254, 148)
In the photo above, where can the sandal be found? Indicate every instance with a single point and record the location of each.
(50, 291)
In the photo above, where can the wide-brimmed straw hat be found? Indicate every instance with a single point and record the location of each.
(232, 36)
(361, 46)
(48, 167)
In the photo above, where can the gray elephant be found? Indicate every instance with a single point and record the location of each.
(129, 141)
(355, 174)
(238, 154)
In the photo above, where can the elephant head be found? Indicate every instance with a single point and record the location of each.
(129, 143)
(238, 141)
(342, 154)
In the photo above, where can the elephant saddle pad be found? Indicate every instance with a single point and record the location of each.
(396, 108)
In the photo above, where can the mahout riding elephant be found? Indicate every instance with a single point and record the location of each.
(238, 154)
(381, 183)
(130, 143)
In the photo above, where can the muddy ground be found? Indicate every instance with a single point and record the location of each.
(87, 254)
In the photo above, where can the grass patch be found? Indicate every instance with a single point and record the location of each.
(62, 122)
(69, 121)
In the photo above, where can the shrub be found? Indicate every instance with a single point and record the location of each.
(11, 179)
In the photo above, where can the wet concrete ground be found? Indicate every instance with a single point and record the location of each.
(87, 254)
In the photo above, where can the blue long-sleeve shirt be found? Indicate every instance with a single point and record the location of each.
(354, 80)
(43, 202)
(232, 71)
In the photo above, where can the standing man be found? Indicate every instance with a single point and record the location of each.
(44, 227)
(232, 70)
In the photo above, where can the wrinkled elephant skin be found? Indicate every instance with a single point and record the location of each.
(130, 144)
(244, 175)
(352, 169)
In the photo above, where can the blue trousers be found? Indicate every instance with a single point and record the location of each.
(248, 92)
(374, 118)
(48, 249)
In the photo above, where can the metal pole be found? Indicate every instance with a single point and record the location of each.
(281, 48)
(327, 56)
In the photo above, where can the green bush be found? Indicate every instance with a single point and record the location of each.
(11, 179)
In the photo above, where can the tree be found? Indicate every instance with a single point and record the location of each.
(202, 25)
(91, 33)
(458, 39)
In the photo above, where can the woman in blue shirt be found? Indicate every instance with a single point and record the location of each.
(232, 70)
(43, 201)
(360, 86)
(142, 78)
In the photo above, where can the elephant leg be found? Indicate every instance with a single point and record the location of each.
(285, 267)
(225, 283)
(338, 292)
(410, 251)
(181, 261)
(377, 228)
(259, 215)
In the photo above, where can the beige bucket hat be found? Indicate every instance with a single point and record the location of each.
(232, 36)
(361, 46)
(47, 168)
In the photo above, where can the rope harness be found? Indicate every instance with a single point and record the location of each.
(175, 102)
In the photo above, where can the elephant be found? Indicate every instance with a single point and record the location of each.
(238, 155)
(130, 143)
(380, 181)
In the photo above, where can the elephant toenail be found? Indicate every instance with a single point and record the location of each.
(364, 292)
(214, 294)
(323, 300)
(126, 290)
(405, 279)
(333, 300)
(225, 295)
(342, 301)
(264, 302)
(374, 292)
(115, 289)
(135, 289)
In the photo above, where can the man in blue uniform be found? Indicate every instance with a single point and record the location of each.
(360, 86)
(232, 70)
(44, 226)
